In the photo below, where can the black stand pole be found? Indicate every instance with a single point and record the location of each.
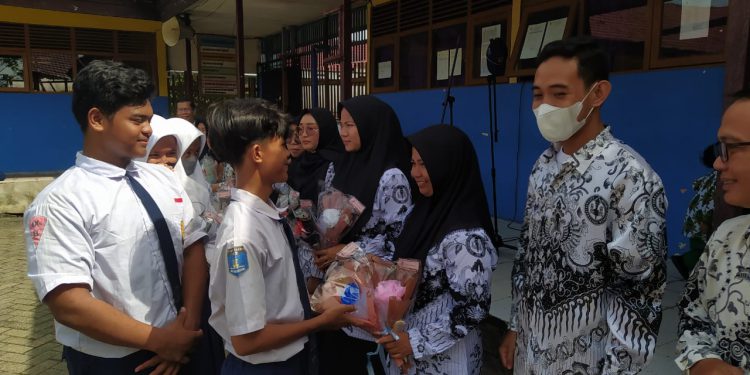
(493, 136)
(449, 99)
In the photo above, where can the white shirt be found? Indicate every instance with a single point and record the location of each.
(245, 296)
(89, 227)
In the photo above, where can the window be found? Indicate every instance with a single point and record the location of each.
(689, 32)
(46, 58)
(12, 71)
(540, 25)
(416, 42)
(622, 29)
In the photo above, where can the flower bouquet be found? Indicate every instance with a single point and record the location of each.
(336, 214)
(299, 212)
(395, 290)
(349, 279)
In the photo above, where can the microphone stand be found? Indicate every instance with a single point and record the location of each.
(450, 99)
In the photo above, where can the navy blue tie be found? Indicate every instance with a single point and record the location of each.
(165, 239)
(312, 347)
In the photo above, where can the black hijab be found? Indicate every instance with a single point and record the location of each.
(309, 169)
(382, 147)
(458, 200)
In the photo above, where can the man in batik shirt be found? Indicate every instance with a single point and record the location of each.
(714, 330)
(590, 272)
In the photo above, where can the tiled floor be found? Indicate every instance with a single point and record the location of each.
(662, 364)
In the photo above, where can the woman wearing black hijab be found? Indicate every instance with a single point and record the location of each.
(374, 171)
(320, 139)
(449, 231)
(313, 171)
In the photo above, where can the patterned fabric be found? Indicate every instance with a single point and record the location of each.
(392, 205)
(330, 173)
(590, 272)
(714, 316)
(700, 212)
(453, 298)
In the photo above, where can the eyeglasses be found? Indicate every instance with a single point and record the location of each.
(307, 130)
(722, 149)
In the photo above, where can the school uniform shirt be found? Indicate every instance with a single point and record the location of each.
(714, 319)
(454, 297)
(590, 272)
(252, 278)
(89, 227)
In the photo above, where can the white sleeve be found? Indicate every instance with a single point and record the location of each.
(59, 249)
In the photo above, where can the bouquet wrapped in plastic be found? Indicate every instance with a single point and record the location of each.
(395, 289)
(336, 214)
(298, 211)
(382, 291)
(349, 279)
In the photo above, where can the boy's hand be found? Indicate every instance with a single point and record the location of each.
(173, 342)
(336, 315)
(161, 366)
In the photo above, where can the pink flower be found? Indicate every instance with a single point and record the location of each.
(387, 289)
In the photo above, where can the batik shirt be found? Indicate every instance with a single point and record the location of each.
(714, 313)
(452, 299)
(391, 206)
(590, 272)
(700, 212)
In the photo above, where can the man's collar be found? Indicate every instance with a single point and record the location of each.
(103, 168)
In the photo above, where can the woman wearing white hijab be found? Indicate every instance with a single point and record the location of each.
(170, 145)
(188, 167)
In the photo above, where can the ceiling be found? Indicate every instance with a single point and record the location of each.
(262, 17)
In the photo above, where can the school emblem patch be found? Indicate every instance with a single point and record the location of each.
(237, 260)
(36, 228)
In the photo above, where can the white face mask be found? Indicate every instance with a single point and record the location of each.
(558, 124)
(189, 163)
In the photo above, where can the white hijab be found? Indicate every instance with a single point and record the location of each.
(159, 130)
(195, 184)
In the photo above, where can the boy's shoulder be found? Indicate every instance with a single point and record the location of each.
(242, 224)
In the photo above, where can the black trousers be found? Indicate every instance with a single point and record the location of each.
(345, 355)
(84, 364)
(297, 365)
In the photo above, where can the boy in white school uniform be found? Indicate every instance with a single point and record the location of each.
(106, 240)
(258, 297)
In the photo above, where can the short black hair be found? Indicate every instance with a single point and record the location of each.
(741, 95)
(185, 99)
(109, 86)
(235, 124)
(593, 62)
(709, 156)
(199, 120)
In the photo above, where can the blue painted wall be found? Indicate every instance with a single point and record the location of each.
(39, 132)
(667, 116)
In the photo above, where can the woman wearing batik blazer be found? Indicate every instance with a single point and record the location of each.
(373, 170)
(450, 232)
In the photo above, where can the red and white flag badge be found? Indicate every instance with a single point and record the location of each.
(178, 200)
(36, 228)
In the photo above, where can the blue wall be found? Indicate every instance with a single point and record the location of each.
(39, 132)
(668, 116)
